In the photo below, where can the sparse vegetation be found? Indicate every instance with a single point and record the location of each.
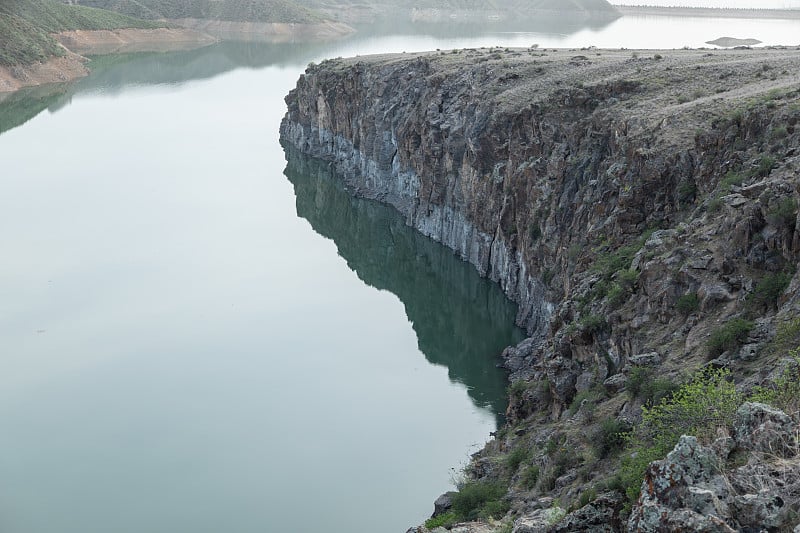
(765, 295)
(446, 520)
(784, 393)
(729, 337)
(644, 385)
(707, 402)
(593, 324)
(687, 304)
(480, 499)
(610, 437)
(529, 476)
(783, 213)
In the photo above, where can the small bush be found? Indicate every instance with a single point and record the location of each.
(529, 476)
(698, 408)
(784, 393)
(643, 385)
(687, 191)
(769, 289)
(616, 295)
(627, 278)
(784, 213)
(445, 520)
(587, 497)
(787, 336)
(688, 304)
(593, 395)
(517, 456)
(610, 437)
(729, 337)
(480, 499)
(778, 133)
(731, 179)
(517, 389)
(594, 324)
(765, 165)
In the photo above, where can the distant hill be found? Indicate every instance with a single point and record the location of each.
(26, 25)
(284, 11)
(478, 5)
(437, 11)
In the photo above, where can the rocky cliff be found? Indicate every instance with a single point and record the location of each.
(640, 207)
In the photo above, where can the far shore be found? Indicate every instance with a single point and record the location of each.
(790, 14)
(184, 34)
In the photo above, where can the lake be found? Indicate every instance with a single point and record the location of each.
(202, 332)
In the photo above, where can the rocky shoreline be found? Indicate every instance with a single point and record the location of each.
(634, 203)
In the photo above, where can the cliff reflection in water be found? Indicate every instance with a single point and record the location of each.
(461, 320)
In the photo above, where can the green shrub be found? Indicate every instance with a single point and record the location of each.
(784, 393)
(787, 336)
(699, 408)
(688, 304)
(517, 389)
(784, 213)
(642, 384)
(446, 520)
(480, 499)
(687, 191)
(778, 133)
(587, 497)
(593, 395)
(610, 437)
(769, 289)
(627, 278)
(714, 204)
(520, 454)
(594, 324)
(529, 476)
(765, 165)
(731, 178)
(729, 337)
(611, 262)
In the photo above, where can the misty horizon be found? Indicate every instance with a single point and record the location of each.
(719, 4)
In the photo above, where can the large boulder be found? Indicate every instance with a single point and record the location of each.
(599, 516)
(677, 493)
(761, 428)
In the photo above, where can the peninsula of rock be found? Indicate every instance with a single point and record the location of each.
(641, 208)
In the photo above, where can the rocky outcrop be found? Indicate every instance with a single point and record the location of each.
(693, 489)
(645, 222)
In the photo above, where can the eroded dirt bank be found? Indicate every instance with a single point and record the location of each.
(100, 42)
(56, 70)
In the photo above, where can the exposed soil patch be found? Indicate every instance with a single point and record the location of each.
(265, 31)
(55, 70)
(133, 40)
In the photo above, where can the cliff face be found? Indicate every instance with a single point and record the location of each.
(630, 203)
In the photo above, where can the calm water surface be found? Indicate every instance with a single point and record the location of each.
(198, 337)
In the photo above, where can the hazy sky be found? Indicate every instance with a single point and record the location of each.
(766, 4)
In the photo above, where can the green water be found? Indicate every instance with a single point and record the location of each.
(194, 340)
(196, 337)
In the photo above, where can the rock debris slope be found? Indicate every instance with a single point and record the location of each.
(639, 206)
